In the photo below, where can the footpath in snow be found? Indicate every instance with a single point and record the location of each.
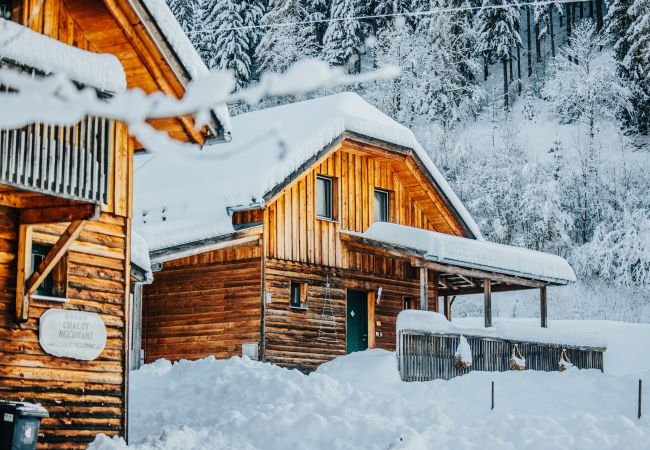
(359, 402)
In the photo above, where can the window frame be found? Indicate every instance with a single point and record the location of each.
(331, 198)
(55, 285)
(301, 290)
(387, 195)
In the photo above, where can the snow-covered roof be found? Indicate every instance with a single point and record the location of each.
(181, 199)
(183, 48)
(27, 47)
(140, 255)
(474, 254)
(436, 323)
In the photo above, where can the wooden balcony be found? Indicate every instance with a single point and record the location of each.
(423, 356)
(73, 162)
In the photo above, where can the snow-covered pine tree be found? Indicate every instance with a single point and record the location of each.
(580, 88)
(252, 12)
(184, 11)
(637, 63)
(318, 12)
(498, 34)
(446, 65)
(342, 41)
(230, 45)
(283, 45)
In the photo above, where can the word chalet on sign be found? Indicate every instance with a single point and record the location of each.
(72, 334)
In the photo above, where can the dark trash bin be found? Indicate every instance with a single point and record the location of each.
(19, 424)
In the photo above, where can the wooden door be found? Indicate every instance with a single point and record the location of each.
(357, 321)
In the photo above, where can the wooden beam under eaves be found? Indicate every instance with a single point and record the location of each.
(68, 213)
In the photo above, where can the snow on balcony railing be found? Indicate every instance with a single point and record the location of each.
(67, 161)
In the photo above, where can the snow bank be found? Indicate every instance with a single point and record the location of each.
(433, 322)
(471, 253)
(358, 402)
(24, 46)
(267, 146)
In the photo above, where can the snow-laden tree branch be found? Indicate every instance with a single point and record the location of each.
(58, 101)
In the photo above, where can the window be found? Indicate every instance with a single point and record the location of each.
(324, 198)
(5, 9)
(409, 303)
(54, 285)
(381, 205)
(298, 295)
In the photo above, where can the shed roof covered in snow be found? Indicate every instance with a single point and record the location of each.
(472, 254)
(180, 200)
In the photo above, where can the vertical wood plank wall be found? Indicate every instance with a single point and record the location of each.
(208, 304)
(295, 234)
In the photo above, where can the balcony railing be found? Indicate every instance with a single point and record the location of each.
(66, 161)
(425, 356)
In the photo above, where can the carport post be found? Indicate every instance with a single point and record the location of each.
(424, 288)
(487, 302)
(543, 306)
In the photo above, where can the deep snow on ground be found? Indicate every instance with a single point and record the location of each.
(359, 402)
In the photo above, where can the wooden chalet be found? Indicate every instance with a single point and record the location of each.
(298, 241)
(66, 207)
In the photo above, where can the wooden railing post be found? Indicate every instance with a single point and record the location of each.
(447, 307)
(487, 302)
(543, 306)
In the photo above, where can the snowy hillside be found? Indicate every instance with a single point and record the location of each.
(359, 402)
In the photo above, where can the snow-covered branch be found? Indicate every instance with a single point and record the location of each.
(58, 101)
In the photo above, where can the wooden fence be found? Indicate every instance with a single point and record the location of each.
(425, 356)
(67, 161)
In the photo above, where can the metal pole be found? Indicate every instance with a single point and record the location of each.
(493, 397)
(639, 406)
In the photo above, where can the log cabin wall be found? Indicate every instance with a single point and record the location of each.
(207, 304)
(304, 249)
(305, 338)
(84, 398)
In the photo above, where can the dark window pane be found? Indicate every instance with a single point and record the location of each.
(5, 9)
(381, 206)
(324, 197)
(295, 294)
(38, 255)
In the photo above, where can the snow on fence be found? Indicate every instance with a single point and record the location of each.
(432, 351)
(69, 161)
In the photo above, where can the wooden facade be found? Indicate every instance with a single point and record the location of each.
(213, 302)
(88, 237)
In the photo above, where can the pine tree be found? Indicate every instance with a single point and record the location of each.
(229, 45)
(342, 40)
(318, 12)
(184, 10)
(252, 12)
(637, 63)
(498, 33)
(283, 45)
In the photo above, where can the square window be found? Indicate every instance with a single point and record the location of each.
(55, 284)
(5, 9)
(409, 303)
(298, 295)
(324, 198)
(381, 205)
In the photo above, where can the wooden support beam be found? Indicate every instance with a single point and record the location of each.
(24, 263)
(372, 329)
(434, 295)
(487, 302)
(467, 280)
(543, 306)
(53, 257)
(70, 213)
(424, 288)
(447, 307)
(455, 270)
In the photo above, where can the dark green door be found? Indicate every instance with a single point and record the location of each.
(357, 321)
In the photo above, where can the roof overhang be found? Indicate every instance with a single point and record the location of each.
(246, 236)
(454, 277)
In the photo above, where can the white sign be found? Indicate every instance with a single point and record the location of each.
(72, 334)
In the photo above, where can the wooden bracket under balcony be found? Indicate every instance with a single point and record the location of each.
(78, 216)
